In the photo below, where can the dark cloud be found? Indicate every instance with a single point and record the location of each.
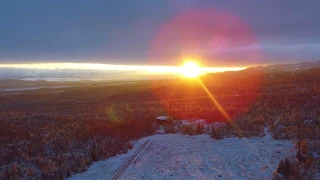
(124, 31)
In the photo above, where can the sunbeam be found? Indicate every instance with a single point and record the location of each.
(220, 108)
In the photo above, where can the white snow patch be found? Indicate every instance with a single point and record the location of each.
(54, 92)
(176, 156)
(266, 133)
(193, 122)
(163, 118)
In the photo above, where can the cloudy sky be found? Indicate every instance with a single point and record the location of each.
(159, 31)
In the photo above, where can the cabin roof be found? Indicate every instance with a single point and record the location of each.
(163, 118)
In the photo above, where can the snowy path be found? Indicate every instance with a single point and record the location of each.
(108, 168)
(127, 163)
(176, 156)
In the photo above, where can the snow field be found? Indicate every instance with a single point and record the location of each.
(176, 156)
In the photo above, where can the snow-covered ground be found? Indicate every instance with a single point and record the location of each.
(176, 156)
(193, 122)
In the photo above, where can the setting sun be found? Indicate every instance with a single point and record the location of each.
(190, 69)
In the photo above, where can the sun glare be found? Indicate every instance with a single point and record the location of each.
(190, 69)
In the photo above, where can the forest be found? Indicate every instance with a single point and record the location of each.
(47, 135)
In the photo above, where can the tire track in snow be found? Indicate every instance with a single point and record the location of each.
(127, 163)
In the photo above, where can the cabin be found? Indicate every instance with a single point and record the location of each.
(164, 120)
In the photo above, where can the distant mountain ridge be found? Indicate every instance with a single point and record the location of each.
(278, 74)
(292, 67)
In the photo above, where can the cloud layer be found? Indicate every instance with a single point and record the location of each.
(125, 31)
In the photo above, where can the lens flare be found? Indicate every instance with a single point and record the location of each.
(221, 109)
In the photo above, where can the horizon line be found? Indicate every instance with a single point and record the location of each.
(116, 67)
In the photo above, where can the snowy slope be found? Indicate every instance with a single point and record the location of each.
(176, 156)
(106, 169)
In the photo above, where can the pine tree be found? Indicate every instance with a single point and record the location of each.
(280, 169)
(315, 89)
(199, 128)
(303, 147)
(93, 155)
(68, 173)
(216, 133)
(7, 174)
(285, 167)
(44, 176)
